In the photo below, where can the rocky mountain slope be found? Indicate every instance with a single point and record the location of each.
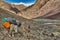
(32, 29)
(41, 9)
(35, 29)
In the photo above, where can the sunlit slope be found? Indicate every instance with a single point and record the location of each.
(41, 9)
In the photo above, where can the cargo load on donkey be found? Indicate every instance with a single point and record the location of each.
(9, 22)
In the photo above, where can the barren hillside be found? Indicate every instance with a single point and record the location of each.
(35, 29)
(41, 9)
(36, 20)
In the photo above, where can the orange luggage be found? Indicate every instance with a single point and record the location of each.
(6, 25)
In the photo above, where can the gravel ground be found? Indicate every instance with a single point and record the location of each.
(35, 29)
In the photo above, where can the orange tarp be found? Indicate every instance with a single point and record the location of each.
(6, 25)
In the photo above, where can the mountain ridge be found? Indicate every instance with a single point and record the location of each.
(40, 9)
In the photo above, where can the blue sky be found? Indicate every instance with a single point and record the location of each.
(24, 2)
(18, 1)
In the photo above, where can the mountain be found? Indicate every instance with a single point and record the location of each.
(41, 9)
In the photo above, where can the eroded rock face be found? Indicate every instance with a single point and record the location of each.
(49, 9)
(42, 8)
